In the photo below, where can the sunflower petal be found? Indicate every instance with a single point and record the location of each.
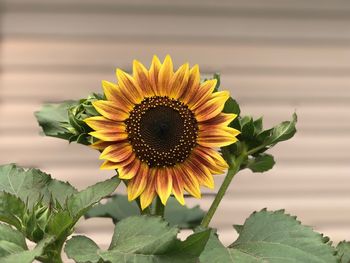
(153, 74)
(164, 184)
(113, 93)
(178, 188)
(220, 138)
(203, 93)
(110, 110)
(191, 184)
(130, 170)
(212, 107)
(192, 85)
(138, 184)
(141, 77)
(129, 86)
(108, 165)
(109, 136)
(201, 154)
(221, 120)
(149, 193)
(179, 81)
(202, 173)
(117, 152)
(102, 123)
(165, 75)
(100, 145)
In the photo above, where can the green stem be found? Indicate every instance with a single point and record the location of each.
(159, 208)
(234, 167)
(256, 149)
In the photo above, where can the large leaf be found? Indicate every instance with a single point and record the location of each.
(32, 184)
(343, 249)
(11, 241)
(271, 237)
(141, 239)
(277, 237)
(79, 203)
(118, 207)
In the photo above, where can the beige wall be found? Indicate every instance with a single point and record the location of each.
(276, 57)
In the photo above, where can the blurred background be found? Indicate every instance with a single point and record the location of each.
(276, 57)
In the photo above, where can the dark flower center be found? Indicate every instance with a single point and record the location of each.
(162, 131)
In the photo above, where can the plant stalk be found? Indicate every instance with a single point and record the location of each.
(159, 208)
(234, 167)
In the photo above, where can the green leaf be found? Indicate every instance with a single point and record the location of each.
(215, 251)
(283, 131)
(59, 223)
(11, 241)
(277, 237)
(343, 249)
(231, 106)
(247, 128)
(141, 239)
(65, 120)
(82, 250)
(118, 207)
(53, 117)
(79, 203)
(12, 210)
(261, 163)
(27, 256)
(32, 185)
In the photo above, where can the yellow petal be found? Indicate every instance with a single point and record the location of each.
(109, 136)
(191, 184)
(117, 152)
(179, 81)
(141, 76)
(100, 145)
(110, 110)
(129, 87)
(108, 165)
(137, 184)
(221, 120)
(202, 173)
(149, 193)
(218, 138)
(102, 123)
(178, 186)
(212, 107)
(203, 93)
(153, 74)
(130, 170)
(192, 85)
(165, 75)
(164, 184)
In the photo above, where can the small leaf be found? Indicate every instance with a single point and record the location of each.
(343, 249)
(52, 116)
(283, 131)
(27, 256)
(261, 163)
(82, 250)
(11, 241)
(12, 210)
(60, 222)
(231, 106)
(247, 128)
(278, 237)
(258, 125)
(82, 201)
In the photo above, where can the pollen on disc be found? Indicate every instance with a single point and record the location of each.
(162, 131)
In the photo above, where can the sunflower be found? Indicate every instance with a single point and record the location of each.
(161, 130)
